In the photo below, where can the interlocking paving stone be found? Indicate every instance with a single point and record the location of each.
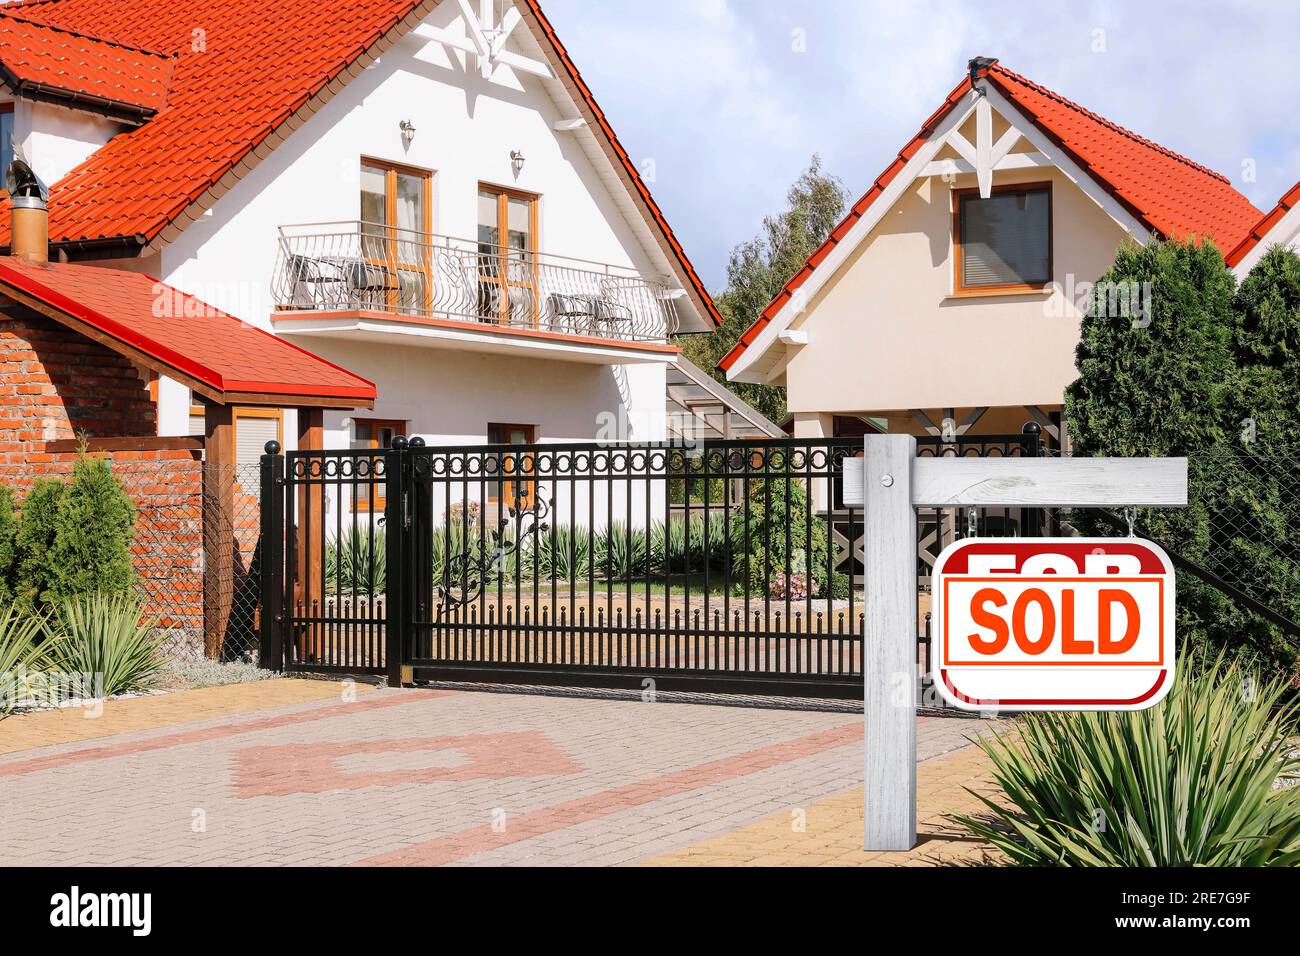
(429, 776)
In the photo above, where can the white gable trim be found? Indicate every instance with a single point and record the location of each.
(742, 370)
(1284, 233)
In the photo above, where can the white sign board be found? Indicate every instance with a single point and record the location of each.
(1053, 624)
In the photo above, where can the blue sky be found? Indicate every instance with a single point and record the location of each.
(726, 100)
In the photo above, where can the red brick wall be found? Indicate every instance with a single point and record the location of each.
(56, 383)
(166, 487)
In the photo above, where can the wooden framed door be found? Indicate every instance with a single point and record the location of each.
(510, 491)
(396, 220)
(376, 433)
(507, 256)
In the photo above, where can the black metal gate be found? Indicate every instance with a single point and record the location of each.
(725, 566)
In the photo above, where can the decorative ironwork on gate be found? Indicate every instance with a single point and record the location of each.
(729, 566)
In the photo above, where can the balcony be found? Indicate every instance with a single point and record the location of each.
(369, 281)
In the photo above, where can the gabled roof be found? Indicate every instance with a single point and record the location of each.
(1260, 230)
(62, 66)
(1169, 194)
(176, 335)
(247, 73)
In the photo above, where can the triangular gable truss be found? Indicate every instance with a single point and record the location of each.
(983, 157)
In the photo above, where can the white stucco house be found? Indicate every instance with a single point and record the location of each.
(948, 302)
(422, 191)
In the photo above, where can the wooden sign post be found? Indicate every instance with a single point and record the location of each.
(894, 483)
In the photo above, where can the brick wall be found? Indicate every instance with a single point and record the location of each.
(58, 384)
(166, 486)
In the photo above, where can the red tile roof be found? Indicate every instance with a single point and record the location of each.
(51, 63)
(180, 335)
(243, 69)
(1169, 194)
(1260, 230)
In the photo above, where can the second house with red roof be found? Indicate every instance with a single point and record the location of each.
(949, 300)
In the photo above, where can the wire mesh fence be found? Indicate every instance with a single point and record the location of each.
(169, 559)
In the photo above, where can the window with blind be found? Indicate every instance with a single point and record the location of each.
(1003, 243)
(252, 432)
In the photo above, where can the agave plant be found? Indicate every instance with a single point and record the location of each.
(1200, 779)
(357, 563)
(104, 636)
(21, 652)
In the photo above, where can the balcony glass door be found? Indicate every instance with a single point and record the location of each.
(507, 256)
(395, 271)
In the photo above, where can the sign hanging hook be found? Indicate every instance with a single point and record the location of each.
(1130, 516)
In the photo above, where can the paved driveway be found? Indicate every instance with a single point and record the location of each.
(413, 777)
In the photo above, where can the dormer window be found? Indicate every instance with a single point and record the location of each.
(1003, 243)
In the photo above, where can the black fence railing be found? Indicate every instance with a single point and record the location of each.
(732, 565)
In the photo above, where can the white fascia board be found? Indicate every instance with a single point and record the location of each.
(855, 237)
(1283, 233)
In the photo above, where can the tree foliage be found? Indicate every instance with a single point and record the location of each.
(1208, 371)
(8, 543)
(91, 552)
(33, 576)
(760, 267)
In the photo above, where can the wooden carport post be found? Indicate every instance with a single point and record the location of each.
(309, 529)
(218, 523)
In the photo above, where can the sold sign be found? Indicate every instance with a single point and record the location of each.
(1054, 623)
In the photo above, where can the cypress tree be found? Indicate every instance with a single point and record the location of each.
(8, 541)
(91, 553)
(37, 522)
(1157, 373)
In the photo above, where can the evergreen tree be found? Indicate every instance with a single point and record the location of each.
(759, 268)
(1260, 504)
(37, 522)
(1156, 377)
(91, 553)
(1155, 354)
(8, 541)
(1266, 341)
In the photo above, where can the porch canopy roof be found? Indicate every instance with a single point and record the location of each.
(223, 359)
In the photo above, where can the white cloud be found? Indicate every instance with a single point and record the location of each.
(714, 92)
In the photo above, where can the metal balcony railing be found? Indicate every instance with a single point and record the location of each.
(342, 266)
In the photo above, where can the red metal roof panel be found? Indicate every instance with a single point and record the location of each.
(182, 332)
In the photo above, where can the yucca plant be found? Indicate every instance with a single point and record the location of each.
(621, 553)
(562, 552)
(356, 564)
(1197, 780)
(21, 652)
(104, 635)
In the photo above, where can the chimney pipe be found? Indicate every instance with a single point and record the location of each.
(29, 233)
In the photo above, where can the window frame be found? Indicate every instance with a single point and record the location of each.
(959, 287)
(392, 239)
(400, 428)
(503, 196)
(503, 488)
